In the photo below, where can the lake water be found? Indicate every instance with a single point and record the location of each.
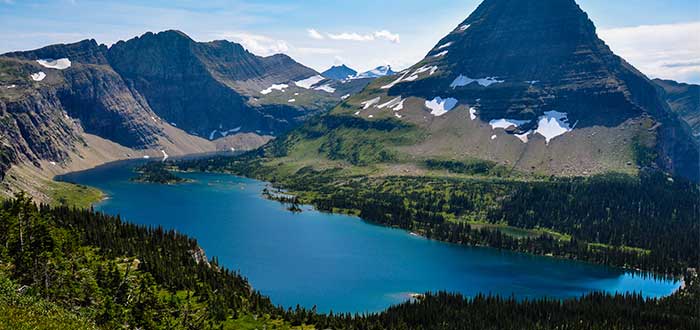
(339, 262)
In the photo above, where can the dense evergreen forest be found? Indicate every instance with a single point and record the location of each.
(647, 222)
(156, 172)
(63, 268)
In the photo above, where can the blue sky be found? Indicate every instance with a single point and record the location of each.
(660, 37)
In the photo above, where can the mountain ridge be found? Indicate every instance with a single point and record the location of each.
(528, 85)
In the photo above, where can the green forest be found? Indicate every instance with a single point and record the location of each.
(66, 268)
(646, 222)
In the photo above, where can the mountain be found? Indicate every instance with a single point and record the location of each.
(684, 100)
(339, 72)
(71, 106)
(526, 84)
(377, 72)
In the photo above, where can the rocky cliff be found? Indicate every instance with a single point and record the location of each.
(528, 84)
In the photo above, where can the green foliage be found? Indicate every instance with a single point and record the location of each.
(156, 172)
(472, 167)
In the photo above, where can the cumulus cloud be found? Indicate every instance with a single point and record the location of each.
(669, 51)
(354, 36)
(256, 43)
(315, 34)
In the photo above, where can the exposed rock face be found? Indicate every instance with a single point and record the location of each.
(684, 100)
(142, 94)
(537, 71)
(204, 87)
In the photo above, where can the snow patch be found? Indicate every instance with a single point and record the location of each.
(398, 115)
(391, 103)
(505, 123)
(11, 86)
(274, 87)
(212, 134)
(52, 163)
(399, 106)
(369, 103)
(165, 155)
(291, 101)
(309, 82)
(39, 76)
(553, 124)
(493, 137)
(445, 45)
(345, 97)
(463, 80)
(464, 27)
(326, 88)
(392, 84)
(147, 157)
(440, 106)
(524, 137)
(59, 64)
(472, 113)
(441, 54)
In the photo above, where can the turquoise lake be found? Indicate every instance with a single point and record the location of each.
(338, 262)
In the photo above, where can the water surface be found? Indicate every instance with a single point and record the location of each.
(339, 262)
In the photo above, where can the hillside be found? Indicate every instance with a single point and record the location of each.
(67, 268)
(524, 84)
(684, 100)
(73, 106)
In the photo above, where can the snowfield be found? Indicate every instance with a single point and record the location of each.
(505, 123)
(59, 64)
(463, 80)
(441, 54)
(445, 45)
(391, 103)
(440, 106)
(553, 124)
(274, 87)
(309, 82)
(39, 76)
(369, 103)
(326, 88)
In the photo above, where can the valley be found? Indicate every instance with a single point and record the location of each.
(518, 174)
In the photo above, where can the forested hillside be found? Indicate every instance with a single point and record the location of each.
(65, 268)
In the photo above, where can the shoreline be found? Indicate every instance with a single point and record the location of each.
(267, 184)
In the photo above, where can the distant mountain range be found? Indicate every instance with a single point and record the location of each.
(522, 83)
(525, 84)
(71, 106)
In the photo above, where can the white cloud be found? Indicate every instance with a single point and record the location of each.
(315, 34)
(256, 43)
(353, 36)
(386, 35)
(669, 51)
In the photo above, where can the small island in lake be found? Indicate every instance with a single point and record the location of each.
(157, 172)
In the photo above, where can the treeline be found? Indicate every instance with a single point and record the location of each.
(120, 275)
(648, 222)
(156, 172)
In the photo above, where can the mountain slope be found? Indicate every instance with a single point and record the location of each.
(684, 100)
(529, 85)
(71, 106)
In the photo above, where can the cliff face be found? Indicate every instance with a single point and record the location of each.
(208, 87)
(148, 94)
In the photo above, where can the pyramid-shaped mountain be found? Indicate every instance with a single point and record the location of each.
(528, 84)
(339, 72)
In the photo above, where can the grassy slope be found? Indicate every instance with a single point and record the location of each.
(68, 194)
